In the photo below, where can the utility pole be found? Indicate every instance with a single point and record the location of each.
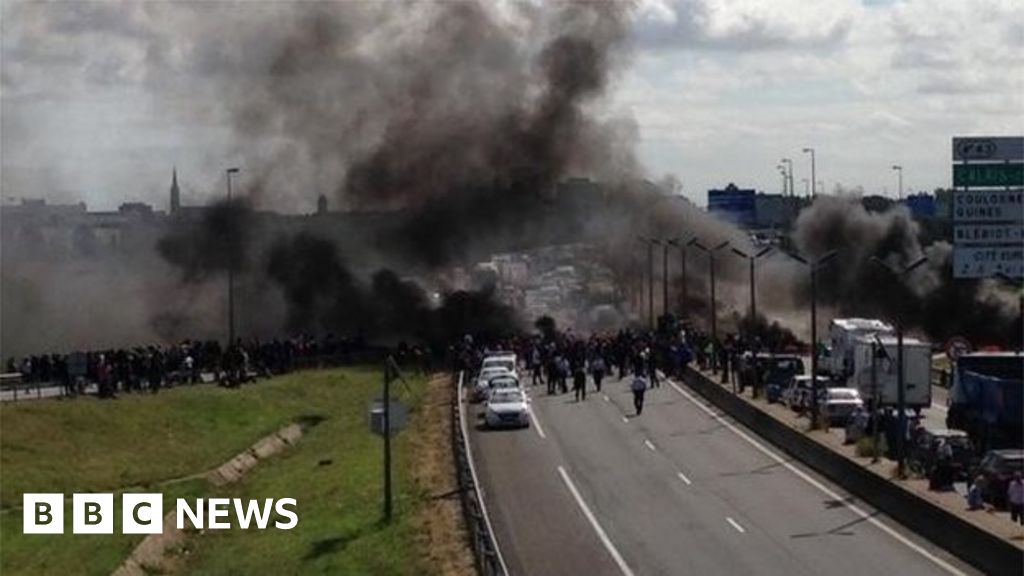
(899, 170)
(664, 278)
(387, 440)
(899, 274)
(231, 271)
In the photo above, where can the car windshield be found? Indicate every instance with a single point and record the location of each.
(506, 397)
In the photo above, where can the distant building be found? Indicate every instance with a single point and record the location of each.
(920, 205)
(734, 204)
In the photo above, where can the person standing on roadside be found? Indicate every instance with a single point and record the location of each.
(639, 388)
(1015, 498)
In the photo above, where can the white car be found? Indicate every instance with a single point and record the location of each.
(507, 407)
(504, 360)
(839, 404)
(482, 385)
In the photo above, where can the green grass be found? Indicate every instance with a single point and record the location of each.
(87, 446)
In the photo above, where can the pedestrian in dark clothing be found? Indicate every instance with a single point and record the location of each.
(652, 370)
(639, 387)
(597, 368)
(579, 383)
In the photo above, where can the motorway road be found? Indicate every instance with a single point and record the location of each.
(591, 489)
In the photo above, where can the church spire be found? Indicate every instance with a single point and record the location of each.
(175, 193)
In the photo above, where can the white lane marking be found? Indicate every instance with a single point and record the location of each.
(593, 522)
(606, 398)
(626, 420)
(650, 445)
(821, 487)
(536, 423)
(735, 525)
(684, 478)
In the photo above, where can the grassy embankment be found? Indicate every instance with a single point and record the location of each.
(143, 443)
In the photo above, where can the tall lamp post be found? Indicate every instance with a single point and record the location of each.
(785, 178)
(753, 287)
(899, 274)
(813, 266)
(789, 164)
(231, 274)
(899, 170)
(713, 308)
(814, 178)
(678, 243)
(650, 278)
(664, 275)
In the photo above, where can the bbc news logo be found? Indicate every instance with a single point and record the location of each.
(143, 513)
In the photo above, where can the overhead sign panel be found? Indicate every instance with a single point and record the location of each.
(983, 234)
(989, 149)
(985, 262)
(988, 206)
(975, 175)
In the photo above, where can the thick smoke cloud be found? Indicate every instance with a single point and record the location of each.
(927, 299)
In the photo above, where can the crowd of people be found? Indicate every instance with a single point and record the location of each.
(149, 368)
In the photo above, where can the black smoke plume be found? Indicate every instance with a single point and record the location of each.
(927, 299)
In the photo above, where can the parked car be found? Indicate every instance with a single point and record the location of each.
(996, 470)
(506, 360)
(482, 385)
(507, 407)
(923, 451)
(797, 393)
(838, 404)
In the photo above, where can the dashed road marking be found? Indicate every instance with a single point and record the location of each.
(736, 525)
(821, 487)
(626, 571)
(606, 398)
(684, 478)
(626, 420)
(650, 445)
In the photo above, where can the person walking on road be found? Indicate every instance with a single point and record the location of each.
(579, 382)
(1015, 498)
(639, 388)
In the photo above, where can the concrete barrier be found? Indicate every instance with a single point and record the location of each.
(985, 551)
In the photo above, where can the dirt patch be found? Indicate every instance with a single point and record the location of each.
(441, 535)
(156, 553)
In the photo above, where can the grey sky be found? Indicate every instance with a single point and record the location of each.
(100, 99)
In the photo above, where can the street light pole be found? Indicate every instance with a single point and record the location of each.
(789, 163)
(713, 308)
(814, 181)
(753, 287)
(901, 394)
(650, 278)
(814, 266)
(785, 179)
(678, 243)
(899, 170)
(664, 278)
(231, 272)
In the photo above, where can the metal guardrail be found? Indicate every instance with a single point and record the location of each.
(489, 561)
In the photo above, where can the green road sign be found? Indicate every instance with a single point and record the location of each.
(988, 175)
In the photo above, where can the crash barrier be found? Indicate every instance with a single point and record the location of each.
(986, 551)
(489, 561)
(13, 381)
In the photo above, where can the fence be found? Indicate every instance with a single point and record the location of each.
(489, 561)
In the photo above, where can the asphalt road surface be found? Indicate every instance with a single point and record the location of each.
(591, 489)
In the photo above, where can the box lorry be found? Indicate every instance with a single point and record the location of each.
(878, 379)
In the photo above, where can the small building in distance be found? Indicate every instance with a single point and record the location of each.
(734, 204)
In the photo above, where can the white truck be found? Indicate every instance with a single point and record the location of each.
(851, 343)
(917, 366)
(842, 334)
